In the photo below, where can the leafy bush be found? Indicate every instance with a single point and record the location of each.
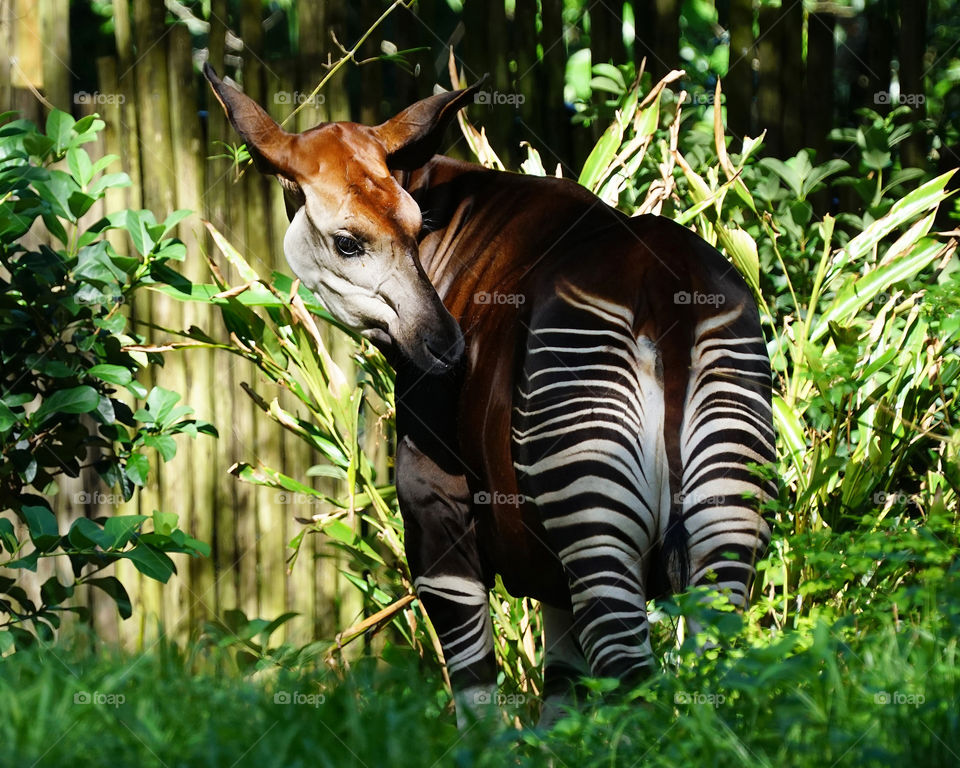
(69, 367)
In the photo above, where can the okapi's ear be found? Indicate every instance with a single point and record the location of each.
(269, 145)
(413, 137)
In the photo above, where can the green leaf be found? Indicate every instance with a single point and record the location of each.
(165, 523)
(80, 166)
(151, 562)
(160, 403)
(86, 534)
(52, 592)
(924, 199)
(28, 561)
(112, 586)
(7, 418)
(82, 399)
(107, 181)
(138, 468)
(121, 528)
(137, 225)
(164, 444)
(858, 293)
(59, 128)
(8, 538)
(174, 218)
(44, 532)
(115, 374)
(601, 156)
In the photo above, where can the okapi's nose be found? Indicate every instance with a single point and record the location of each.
(447, 355)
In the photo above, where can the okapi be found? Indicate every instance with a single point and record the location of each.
(580, 394)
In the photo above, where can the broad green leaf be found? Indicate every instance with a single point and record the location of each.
(82, 399)
(173, 219)
(596, 167)
(8, 538)
(160, 403)
(743, 252)
(112, 586)
(164, 444)
(138, 468)
(59, 128)
(52, 592)
(121, 528)
(7, 418)
(151, 562)
(80, 166)
(85, 533)
(165, 523)
(115, 374)
(44, 532)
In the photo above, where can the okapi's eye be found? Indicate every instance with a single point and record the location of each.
(347, 246)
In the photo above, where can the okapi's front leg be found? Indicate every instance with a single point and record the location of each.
(444, 560)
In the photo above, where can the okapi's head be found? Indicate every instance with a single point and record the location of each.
(353, 229)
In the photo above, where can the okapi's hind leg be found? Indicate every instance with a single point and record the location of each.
(445, 563)
(588, 449)
(728, 426)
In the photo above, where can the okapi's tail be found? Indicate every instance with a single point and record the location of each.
(673, 548)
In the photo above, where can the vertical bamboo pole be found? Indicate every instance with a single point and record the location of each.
(158, 189)
(295, 455)
(55, 44)
(262, 577)
(198, 365)
(219, 209)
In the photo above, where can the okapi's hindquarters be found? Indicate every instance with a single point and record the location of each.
(727, 426)
(589, 450)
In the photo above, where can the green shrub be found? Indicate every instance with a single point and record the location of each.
(69, 368)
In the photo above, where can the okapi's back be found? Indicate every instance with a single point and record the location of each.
(611, 364)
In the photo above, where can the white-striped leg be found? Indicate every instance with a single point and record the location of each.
(727, 426)
(564, 664)
(588, 449)
(460, 612)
